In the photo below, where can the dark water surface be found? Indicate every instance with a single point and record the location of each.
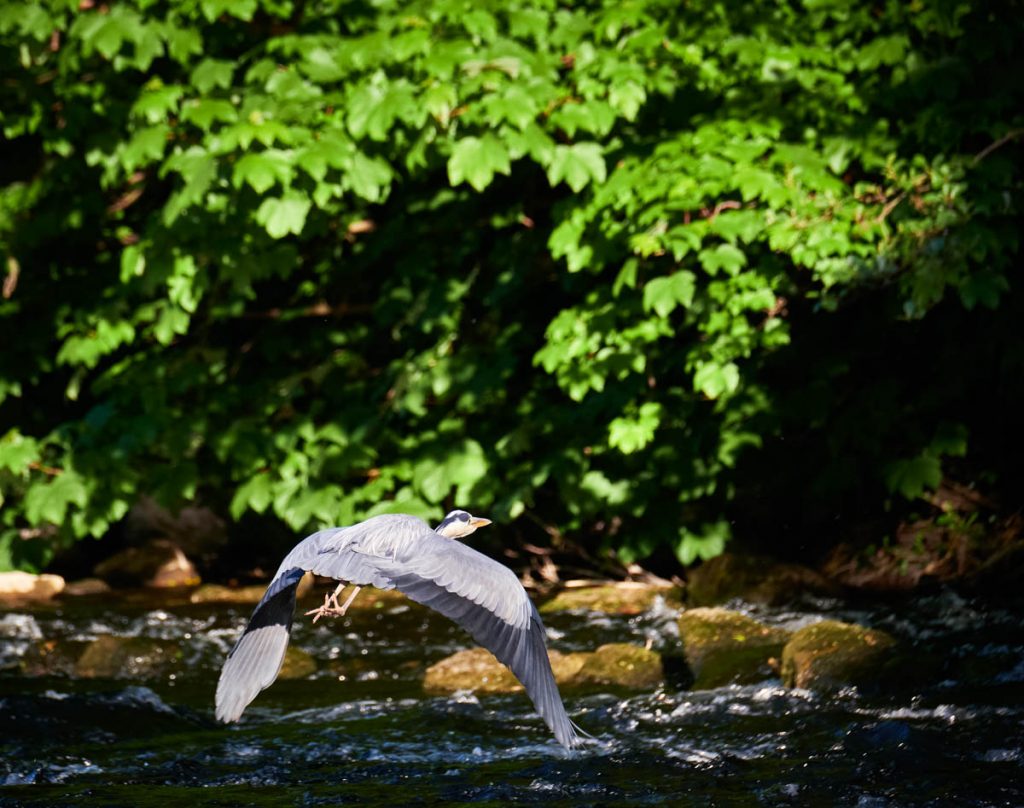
(360, 731)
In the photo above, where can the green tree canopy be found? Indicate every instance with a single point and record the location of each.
(322, 259)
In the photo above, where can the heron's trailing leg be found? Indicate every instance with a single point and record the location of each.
(331, 607)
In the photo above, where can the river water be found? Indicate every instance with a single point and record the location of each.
(361, 731)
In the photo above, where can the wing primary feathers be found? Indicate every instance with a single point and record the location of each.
(254, 662)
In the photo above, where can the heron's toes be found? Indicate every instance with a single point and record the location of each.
(324, 611)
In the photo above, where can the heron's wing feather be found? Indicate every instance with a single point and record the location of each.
(486, 599)
(256, 659)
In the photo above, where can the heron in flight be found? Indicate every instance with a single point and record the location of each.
(398, 551)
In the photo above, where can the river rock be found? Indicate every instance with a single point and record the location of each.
(474, 669)
(831, 655)
(159, 564)
(622, 665)
(24, 586)
(617, 664)
(110, 657)
(85, 587)
(478, 670)
(297, 664)
(753, 578)
(215, 593)
(725, 647)
(627, 597)
(245, 595)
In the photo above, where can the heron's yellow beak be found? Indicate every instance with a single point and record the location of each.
(479, 521)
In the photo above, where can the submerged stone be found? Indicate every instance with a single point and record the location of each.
(618, 598)
(831, 655)
(159, 564)
(110, 657)
(753, 578)
(725, 647)
(24, 586)
(297, 664)
(51, 657)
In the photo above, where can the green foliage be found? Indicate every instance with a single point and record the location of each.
(319, 260)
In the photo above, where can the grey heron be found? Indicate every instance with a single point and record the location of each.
(398, 551)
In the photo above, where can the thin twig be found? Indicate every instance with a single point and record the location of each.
(11, 281)
(890, 206)
(50, 470)
(991, 147)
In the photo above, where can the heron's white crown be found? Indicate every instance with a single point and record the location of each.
(460, 523)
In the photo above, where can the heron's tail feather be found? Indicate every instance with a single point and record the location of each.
(256, 659)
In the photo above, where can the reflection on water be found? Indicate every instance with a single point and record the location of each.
(361, 730)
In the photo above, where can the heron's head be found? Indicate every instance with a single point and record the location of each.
(459, 523)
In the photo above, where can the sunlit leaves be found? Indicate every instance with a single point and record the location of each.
(212, 73)
(198, 169)
(376, 107)
(284, 215)
(663, 294)
(477, 160)
(577, 165)
(705, 542)
(17, 451)
(48, 502)
(630, 434)
(459, 464)
(262, 170)
(714, 379)
(323, 266)
(368, 177)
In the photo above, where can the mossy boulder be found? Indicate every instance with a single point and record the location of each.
(725, 647)
(477, 670)
(622, 665)
(474, 669)
(110, 657)
(297, 664)
(831, 655)
(618, 598)
(618, 664)
(756, 579)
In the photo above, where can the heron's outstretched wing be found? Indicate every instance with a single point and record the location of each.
(486, 599)
(256, 659)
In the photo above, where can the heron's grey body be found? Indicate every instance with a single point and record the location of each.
(397, 551)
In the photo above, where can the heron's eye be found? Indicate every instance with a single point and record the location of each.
(464, 516)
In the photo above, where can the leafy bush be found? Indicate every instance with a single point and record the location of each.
(327, 259)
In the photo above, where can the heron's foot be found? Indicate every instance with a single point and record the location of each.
(331, 607)
(324, 611)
